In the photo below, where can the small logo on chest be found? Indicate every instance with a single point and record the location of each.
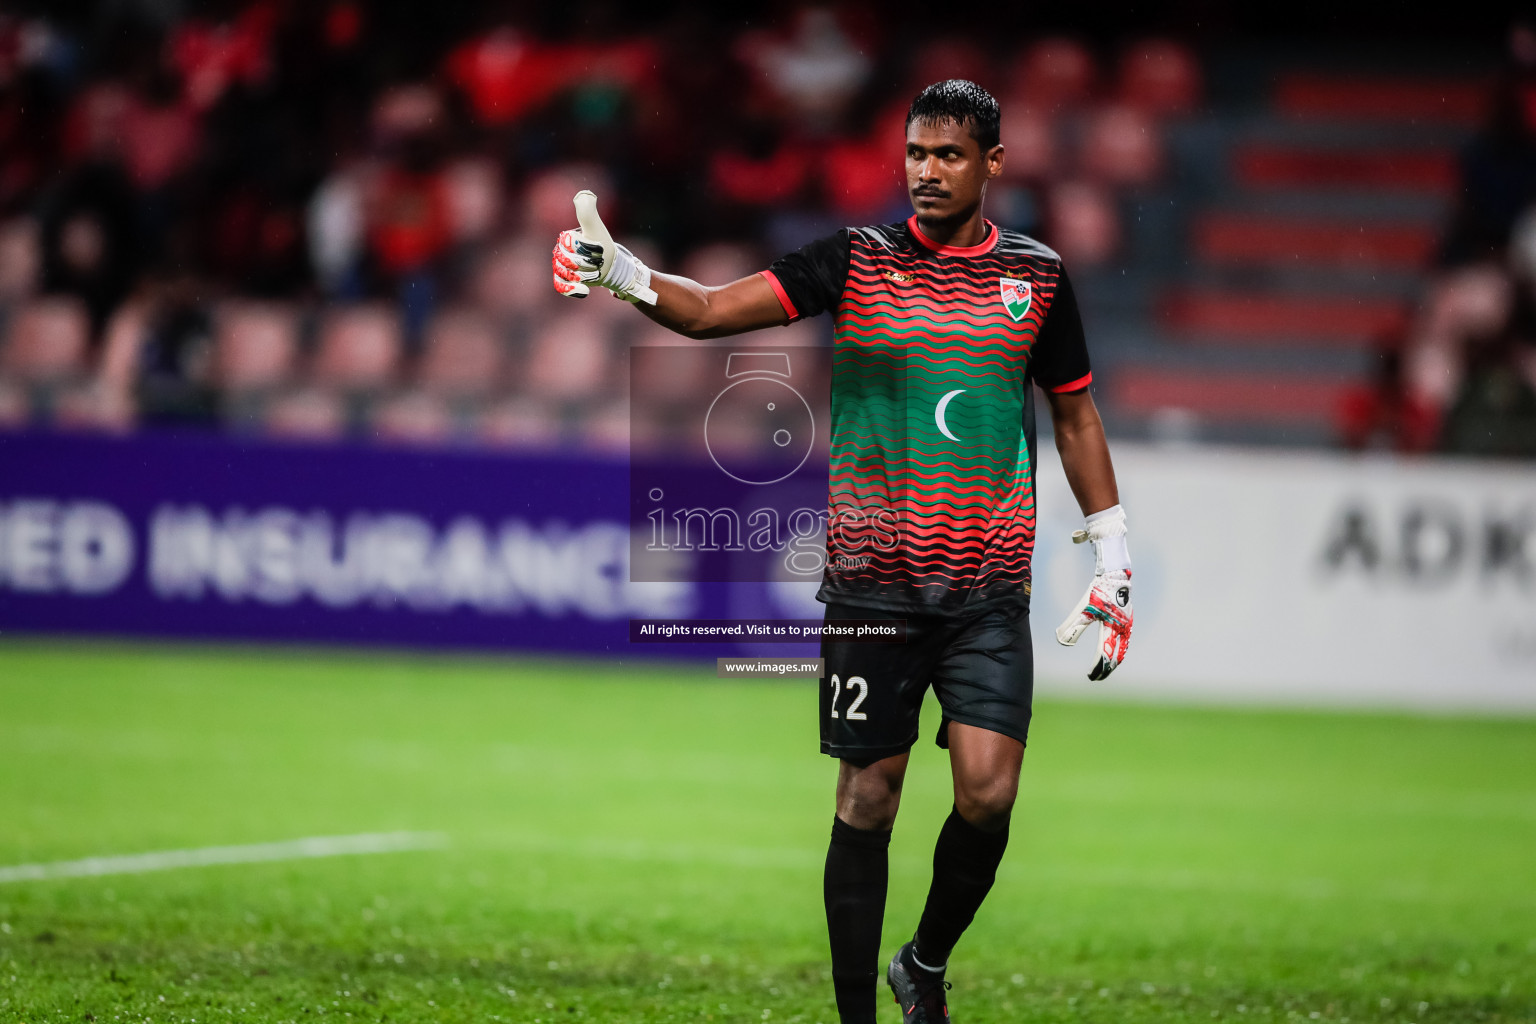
(1016, 296)
(899, 277)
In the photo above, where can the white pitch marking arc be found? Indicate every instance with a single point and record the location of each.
(938, 413)
(208, 856)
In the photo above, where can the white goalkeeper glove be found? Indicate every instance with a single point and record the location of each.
(588, 256)
(1108, 600)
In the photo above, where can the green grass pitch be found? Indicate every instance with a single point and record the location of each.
(645, 844)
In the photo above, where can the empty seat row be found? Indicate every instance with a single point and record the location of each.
(313, 414)
(1118, 144)
(465, 354)
(423, 418)
(47, 340)
(81, 406)
(1208, 315)
(1286, 241)
(1281, 399)
(1321, 95)
(469, 382)
(257, 346)
(1161, 76)
(1370, 165)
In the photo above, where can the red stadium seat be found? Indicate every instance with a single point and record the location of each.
(255, 345)
(96, 119)
(159, 142)
(1254, 397)
(605, 429)
(548, 210)
(1030, 144)
(94, 408)
(416, 417)
(1056, 74)
(888, 127)
(1418, 170)
(1369, 98)
(655, 430)
(570, 359)
(861, 179)
(1257, 239)
(360, 348)
(1246, 318)
(309, 415)
(1082, 223)
(1122, 146)
(520, 423)
(952, 57)
(724, 262)
(48, 341)
(15, 408)
(515, 277)
(759, 181)
(676, 375)
(405, 110)
(1160, 77)
(464, 357)
(20, 258)
(474, 192)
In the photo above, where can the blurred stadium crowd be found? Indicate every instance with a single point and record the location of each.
(317, 220)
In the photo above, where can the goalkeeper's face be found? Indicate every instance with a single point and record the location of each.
(947, 172)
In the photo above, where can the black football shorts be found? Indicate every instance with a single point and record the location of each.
(981, 667)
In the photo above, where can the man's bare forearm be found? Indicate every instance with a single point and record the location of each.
(697, 311)
(682, 305)
(1084, 452)
(1090, 474)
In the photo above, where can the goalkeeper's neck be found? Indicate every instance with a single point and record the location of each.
(960, 230)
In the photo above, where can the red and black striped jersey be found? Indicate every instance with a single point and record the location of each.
(932, 496)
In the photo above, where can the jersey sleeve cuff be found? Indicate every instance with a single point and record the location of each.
(783, 296)
(1072, 385)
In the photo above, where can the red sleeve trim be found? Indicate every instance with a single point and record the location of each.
(1075, 385)
(783, 296)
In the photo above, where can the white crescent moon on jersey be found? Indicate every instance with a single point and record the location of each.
(938, 413)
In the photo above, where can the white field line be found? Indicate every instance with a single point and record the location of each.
(206, 856)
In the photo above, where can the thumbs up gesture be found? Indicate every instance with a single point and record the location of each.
(588, 255)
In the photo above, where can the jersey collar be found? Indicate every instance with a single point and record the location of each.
(983, 247)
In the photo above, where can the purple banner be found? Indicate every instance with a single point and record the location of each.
(176, 536)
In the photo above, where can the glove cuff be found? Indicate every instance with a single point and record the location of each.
(627, 277)
(1108, 523)
(1107, 531)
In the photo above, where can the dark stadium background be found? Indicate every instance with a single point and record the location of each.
(294, 430)
(1264, 214)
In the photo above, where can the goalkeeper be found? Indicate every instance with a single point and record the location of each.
(941, 325)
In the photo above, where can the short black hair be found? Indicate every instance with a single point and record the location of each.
(965, 103)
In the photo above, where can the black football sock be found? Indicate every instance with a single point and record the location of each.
(965, 863)
(854, 889)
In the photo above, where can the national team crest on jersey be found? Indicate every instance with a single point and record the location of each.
(1015, 296)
